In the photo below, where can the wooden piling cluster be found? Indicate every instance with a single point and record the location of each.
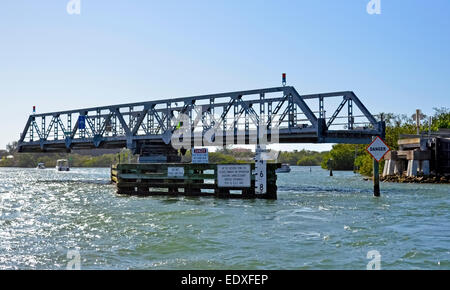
(147, 179)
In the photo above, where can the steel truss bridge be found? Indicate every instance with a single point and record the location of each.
(296, 118)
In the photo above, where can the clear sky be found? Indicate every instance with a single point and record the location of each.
(120, 51)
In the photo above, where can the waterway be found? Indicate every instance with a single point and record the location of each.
(49, 220)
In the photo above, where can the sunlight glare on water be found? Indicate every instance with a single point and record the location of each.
(318, 222)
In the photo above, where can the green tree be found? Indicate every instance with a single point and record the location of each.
(309, 160)
(342, 156)
(441, 119)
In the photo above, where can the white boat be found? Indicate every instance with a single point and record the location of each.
(62, 165)
(40, 166)
(283, 169)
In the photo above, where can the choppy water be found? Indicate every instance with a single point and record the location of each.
(318, 222)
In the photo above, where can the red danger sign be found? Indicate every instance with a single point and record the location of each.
(378, 148)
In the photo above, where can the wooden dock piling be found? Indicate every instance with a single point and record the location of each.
(174, 179)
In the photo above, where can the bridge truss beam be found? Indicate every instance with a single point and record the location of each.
(282, 109)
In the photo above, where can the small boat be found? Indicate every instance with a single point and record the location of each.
(283, 169)
(40, 166)
(62, 165)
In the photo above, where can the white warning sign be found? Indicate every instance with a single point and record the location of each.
(175, 171)
(236, 175)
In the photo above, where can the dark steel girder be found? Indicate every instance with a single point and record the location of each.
(310, 129)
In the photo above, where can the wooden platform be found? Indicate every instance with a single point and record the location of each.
(195, 180)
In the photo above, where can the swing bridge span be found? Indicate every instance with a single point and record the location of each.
(235, 118)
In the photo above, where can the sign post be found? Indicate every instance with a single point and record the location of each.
(377, 149)
(376, 178)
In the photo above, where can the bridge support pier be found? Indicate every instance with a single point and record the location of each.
(157, 152)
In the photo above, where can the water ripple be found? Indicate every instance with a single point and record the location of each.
(318, 222)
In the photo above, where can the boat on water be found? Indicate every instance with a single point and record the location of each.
(284, 168)
(62, 165)
(40, 166)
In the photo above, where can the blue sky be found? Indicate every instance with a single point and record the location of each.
(123, 51)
